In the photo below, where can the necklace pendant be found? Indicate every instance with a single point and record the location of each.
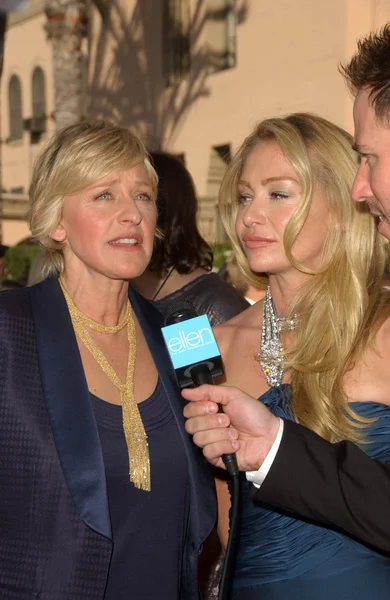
(271, 355)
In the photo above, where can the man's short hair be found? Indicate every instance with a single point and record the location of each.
(370, 68)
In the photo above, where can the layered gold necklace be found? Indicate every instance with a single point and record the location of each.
(136, 438)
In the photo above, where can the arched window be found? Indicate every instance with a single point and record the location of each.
(15, 108)
(38, 124)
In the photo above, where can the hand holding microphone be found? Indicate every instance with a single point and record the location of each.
(247, 427)
(194, 354)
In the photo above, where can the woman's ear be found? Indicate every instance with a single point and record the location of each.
(58, 234)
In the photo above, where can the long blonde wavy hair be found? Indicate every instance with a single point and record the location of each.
(342, 304)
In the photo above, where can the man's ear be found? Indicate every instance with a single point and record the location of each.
(58, 234)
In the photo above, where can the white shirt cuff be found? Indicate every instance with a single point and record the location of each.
(257, 477)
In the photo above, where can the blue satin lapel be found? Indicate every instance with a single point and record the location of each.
(201, 480)
(69, 407)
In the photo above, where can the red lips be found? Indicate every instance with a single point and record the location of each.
(256, 241)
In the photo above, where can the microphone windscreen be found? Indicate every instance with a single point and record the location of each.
(179, 311)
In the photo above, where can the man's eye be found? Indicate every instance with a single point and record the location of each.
(367, 159)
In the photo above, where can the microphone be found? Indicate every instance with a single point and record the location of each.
(191, 345)
(194, 353)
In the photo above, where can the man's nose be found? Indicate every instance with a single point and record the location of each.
(361, 188)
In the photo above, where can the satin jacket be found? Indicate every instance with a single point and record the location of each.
(55, 531)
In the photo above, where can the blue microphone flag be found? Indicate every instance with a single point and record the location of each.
(189, 343)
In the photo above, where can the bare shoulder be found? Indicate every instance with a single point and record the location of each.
(369, 377)
(227, 331)
(232, 333)
(239, 344)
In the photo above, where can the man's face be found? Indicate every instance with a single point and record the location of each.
(372, 142)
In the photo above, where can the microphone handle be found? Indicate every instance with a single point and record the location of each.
(200, 374)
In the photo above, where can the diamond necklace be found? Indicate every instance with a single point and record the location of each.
(271, 355)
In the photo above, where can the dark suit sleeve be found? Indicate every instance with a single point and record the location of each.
(334, 484)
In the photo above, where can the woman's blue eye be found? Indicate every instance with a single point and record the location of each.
(143, 196)
(104, 196)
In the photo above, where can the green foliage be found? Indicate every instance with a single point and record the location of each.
(17, 261)
(221, 252)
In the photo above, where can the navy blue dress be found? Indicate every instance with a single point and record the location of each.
(149, 528)
(281, 557)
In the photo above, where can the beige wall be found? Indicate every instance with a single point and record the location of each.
(287, 55)
(287, 60)
(15, 232)
(26, 47)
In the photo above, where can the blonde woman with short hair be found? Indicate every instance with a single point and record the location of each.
(102, 495)
(314, 351)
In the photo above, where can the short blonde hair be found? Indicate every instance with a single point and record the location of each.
(341, 303)
(73, 159)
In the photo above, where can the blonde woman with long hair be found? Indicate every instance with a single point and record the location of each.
(310, 351)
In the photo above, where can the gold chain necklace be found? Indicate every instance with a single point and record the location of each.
(136, 438)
